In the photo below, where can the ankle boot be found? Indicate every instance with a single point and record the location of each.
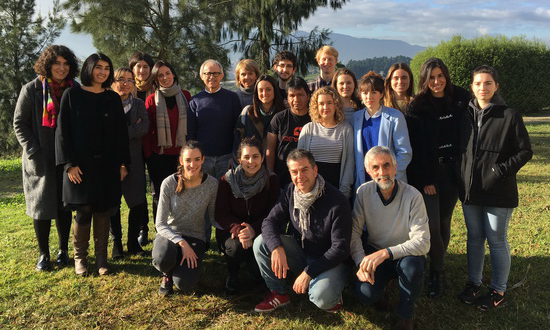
(118, 252)
(436, 284)
(81, 241)
(101, 241)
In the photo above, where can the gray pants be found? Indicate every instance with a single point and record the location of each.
(167, 259)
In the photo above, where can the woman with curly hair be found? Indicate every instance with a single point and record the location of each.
(345, 83)
(35, 123)
(399, 89)
(330, 139)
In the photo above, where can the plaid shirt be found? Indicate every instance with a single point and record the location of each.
(318, 83)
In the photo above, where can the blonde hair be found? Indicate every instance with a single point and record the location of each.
(338, 104)
(326, 50)
(247, 65)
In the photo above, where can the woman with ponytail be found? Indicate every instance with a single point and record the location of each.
(167, 109)
(35, 123)
(246, 195)
(186, 197)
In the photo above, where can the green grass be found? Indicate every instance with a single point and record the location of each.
(128, 298)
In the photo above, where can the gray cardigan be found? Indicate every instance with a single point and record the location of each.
(133, 185)
(38, 159)
(347, 165)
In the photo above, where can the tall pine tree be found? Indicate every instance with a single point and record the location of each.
(183, 33)
(264, 27)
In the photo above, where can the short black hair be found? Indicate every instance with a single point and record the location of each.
(298, 154)
(285, 55)
(297, 83)
(155, 72)
(86, 76)
(141, 56)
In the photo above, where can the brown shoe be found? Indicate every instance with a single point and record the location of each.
(404, 324)
(81, 241)
(101, 241)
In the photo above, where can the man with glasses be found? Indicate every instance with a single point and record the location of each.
(284, 66)
(213, 114)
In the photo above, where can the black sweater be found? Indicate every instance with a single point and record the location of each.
(434, 134)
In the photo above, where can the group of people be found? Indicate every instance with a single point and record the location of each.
(296, 178)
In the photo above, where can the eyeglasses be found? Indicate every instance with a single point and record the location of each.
(210, 74)
(127, 81)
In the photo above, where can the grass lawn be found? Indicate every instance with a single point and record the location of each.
(128, 299)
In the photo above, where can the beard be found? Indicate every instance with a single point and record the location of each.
(385, 185)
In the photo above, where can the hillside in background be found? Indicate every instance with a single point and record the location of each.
(351, 48)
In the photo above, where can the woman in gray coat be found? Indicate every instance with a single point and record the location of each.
(34, 124)
(133, 185)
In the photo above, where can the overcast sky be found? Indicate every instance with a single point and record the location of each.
(423, 23)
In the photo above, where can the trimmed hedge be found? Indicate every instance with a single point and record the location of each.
(521, 65)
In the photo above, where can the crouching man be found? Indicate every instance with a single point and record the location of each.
(390, 235)
(318, 242)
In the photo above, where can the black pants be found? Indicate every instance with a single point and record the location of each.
(159, 167)
(167, 259)
(135, 216)
(62, 222)
(235, 254)
(440, 212)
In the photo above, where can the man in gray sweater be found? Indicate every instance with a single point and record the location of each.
(396, 237)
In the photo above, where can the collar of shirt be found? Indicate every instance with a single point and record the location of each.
(393, 193)
(217, 90)
(377, 114)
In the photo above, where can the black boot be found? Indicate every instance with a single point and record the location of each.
(62, 258)
(118, 251)
(43, 263)
(436, 284)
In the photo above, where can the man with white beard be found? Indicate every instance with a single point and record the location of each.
(390, 235)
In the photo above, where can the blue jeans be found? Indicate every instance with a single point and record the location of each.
(491, 223)
(325, 290)
(216, 166)
(409, 272)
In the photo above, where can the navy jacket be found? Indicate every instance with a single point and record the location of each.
(328, 239)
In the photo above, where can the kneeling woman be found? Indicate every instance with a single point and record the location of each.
(185, 198)
(246, 194)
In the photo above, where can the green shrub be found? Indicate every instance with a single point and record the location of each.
(519, 62)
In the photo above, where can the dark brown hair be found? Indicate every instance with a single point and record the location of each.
(254, 110)
(343, 71)
(155, 72)
(389, 95)
(43, 65)
(424, 78)
(190, 145)
(373, 80)
(86, 76)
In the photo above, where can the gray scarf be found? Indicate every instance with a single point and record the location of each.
(243, 186)
(127, 104)
(303, 202)
(164, 135)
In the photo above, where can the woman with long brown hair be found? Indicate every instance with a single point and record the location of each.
(185, 199)
(399, 87)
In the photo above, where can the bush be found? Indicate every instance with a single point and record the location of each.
(519, 62)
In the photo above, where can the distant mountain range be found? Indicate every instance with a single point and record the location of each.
(352, 48)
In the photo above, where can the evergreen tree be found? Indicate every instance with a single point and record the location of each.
(23, 36)
(183, 33)
(264, 27)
